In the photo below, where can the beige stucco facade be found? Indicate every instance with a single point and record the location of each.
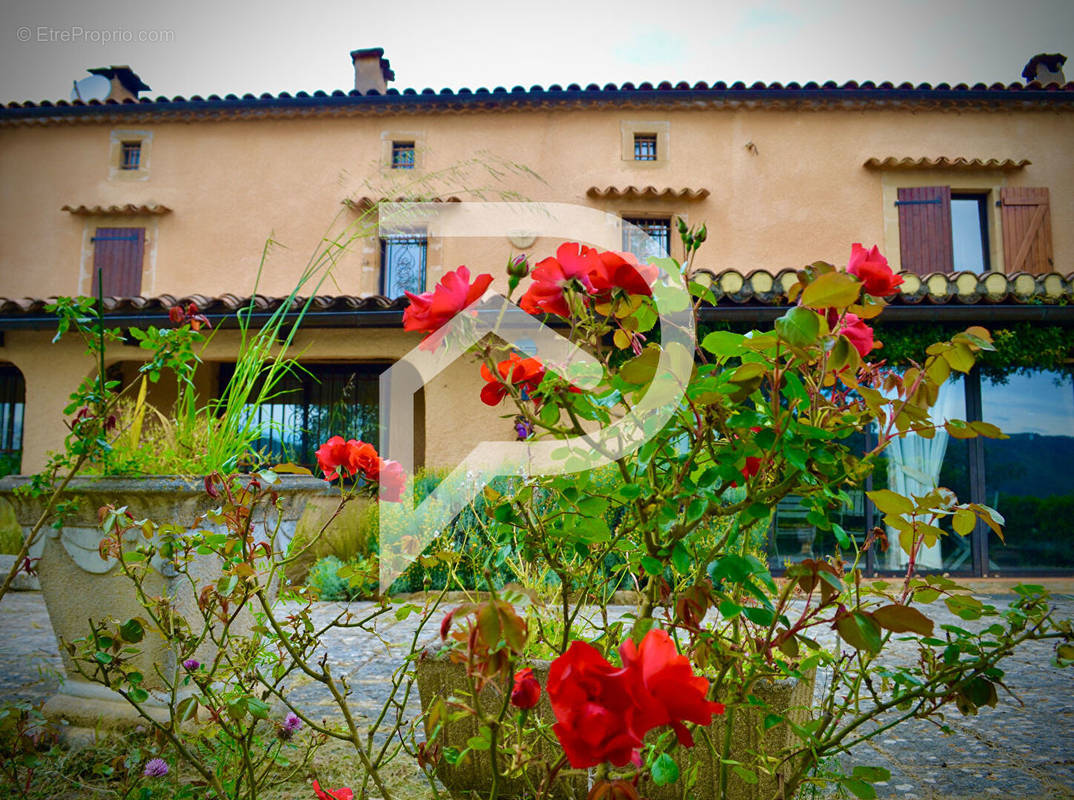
(785, 186)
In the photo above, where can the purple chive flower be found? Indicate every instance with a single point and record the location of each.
(155, 768)
(523, 429)
(190, 665)
(290, 724)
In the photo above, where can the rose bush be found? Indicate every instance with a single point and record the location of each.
(767, 416)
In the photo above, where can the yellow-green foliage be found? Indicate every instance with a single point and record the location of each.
(10, 532)
(347, 537)
(147, 442)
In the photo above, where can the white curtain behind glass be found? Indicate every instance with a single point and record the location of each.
(914, 464)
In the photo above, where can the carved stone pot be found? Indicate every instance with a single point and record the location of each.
(80, 585)
(438, 678)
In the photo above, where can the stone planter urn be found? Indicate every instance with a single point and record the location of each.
(80, 585)
(439, 677)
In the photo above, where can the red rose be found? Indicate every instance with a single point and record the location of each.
(392, 480)
(527, 690)
(525, 373)
(572, 262)
(665, 688)
(859, 334)
(593, 708)
(622, 271)
(430, 311)
(331, 456)
(332, 794)
(873, 271)
(362, 457)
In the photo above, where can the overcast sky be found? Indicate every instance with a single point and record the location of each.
(221, 46)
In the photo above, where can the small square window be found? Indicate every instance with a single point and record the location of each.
(658, 243)
(402, 155)
(130, 155)
(645, 147)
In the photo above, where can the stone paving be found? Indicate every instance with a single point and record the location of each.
(1014, 751)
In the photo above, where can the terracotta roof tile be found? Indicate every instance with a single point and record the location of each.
(365, 203)
(128, 210)
(647, 193)
(943, 162)
(849, 96)
(731, 288)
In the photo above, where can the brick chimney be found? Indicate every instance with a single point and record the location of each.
(125, 83)
(1045, 68)
(371, 70)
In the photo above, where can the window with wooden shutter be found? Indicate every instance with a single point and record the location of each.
(925, 229)
(117, 258)
(1027, 229)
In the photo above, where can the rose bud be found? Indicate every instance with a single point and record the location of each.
(527, 690)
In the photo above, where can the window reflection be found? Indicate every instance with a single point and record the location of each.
(1027, 476)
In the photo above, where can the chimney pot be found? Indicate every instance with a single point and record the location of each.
(371, 70)
(1045, 68)
(125, 82)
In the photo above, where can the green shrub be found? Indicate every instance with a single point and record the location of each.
(334, 579)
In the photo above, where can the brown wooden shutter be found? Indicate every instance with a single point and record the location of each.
(925, 229)
(1027, 229)
(117, 252)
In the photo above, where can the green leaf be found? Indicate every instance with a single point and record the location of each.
(799, 327)
(964, 521)
(665, 770)
(729, 609)
(860, 788)
(890, 503)
(759, 616)
(831, 290)
(640, 370)
(132, 631)
(871, 774)
(745, 775)
(651, 566)
(258, 709)
(903, 619)
(964, 606)
(680, 558)
(483, 740)
(860, 631)
(723, 343)
(733, 568)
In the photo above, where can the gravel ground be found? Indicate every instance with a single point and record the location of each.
(1019, 750)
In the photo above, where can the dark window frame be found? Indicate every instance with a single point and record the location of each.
(981, 198)
(386, 244)
(661, 224)
(645, 147)
(404, 154)
(130, 155)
